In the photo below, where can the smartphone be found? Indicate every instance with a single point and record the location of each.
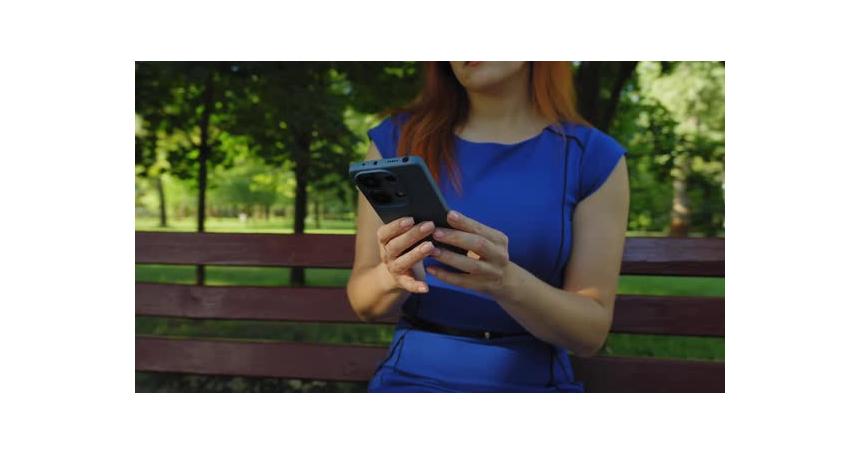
(399, 187)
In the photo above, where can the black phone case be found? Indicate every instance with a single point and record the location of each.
(399, 187)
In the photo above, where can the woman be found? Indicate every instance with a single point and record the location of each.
(538, 198)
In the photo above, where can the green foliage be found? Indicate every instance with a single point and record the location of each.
(170, 101)
(247, 182)
(294, 108)
(376, 86)
(298, 118)
(672, 121)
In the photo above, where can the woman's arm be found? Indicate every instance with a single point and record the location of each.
(577, 316)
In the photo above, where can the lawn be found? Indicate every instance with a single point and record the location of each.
(274, 225)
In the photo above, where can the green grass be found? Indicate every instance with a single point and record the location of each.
(669, 285)
(272, 225)
(235, 276)
(281, 225)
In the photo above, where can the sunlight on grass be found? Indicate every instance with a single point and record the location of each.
(251, 225)
(672, 285)
(676, 347)
(217, 275)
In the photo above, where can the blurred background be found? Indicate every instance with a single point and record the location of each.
(264, 147)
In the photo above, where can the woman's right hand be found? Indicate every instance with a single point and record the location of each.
(406, 269)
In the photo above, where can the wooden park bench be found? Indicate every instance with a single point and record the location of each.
(634, 314)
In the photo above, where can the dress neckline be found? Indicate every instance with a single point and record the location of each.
(502, 144)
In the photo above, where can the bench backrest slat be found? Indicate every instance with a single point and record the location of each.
(357, 363)
(642, 255)
(633, 314)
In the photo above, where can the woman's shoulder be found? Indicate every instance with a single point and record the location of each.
(599, 154)
(589, 136)
(392, 121)
(386, 133)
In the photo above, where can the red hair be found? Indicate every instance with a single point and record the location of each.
(442, 105)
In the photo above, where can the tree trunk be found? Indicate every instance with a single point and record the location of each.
(594, 78)
(162, 205)
(202, 160)
(625, 71)
(680, 217)
(303, 155)
(587, 84)
(317, 221)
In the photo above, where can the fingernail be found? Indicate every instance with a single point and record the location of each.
(407, 222)
(425, 248)
(422, 288)
(436, 252)
(454, 215)
(427, 227)
(438, 233)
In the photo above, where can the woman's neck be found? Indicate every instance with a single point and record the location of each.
(503, 111)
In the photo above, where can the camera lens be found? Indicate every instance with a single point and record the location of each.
(370, 181)
(380, 196)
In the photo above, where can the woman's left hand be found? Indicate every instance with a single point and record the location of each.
(489, 271)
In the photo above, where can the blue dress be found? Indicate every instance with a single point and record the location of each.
(528, 190)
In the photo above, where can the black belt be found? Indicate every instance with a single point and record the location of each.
(423, 324)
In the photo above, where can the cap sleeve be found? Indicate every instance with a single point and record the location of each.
(385, 135)
(600, 156)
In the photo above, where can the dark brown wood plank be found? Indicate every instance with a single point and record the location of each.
(666, 315)
(309, 304)
(257, 358)
(633, 314)
(674, 256)
(357, 363)
(634, 374)
(642, 255)
(302, 250)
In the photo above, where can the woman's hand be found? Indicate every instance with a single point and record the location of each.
(406, 270)
(486, 264)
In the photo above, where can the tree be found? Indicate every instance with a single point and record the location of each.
(694, 93)
(295, 116)
(247, 183)
(375, 86)
(152, 92)
(192, 100)
(672, 120)
(598, 87)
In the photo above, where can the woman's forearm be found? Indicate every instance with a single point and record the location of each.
(373, 293)
(573, 321)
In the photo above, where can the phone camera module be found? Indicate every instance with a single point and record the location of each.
(381, 196)
(370, 181)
